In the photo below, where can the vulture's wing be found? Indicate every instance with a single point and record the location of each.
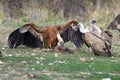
(31, 41)
(107, 37)
(74, 36)
(65, 35)
(16, 39)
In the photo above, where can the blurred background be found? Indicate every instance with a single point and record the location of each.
(52, 10)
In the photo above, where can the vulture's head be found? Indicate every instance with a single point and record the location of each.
(92, 21)
(73, 24)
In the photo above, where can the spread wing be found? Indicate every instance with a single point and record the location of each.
(65, 35)
(74, 36)
(16, 39)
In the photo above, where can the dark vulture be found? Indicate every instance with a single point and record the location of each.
(98, 45)
(115, 24)
(47, 37)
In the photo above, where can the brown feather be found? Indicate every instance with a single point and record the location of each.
(98, 45)
(49, 33)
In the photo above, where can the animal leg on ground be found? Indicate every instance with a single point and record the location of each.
(60, 40)
(91, 51)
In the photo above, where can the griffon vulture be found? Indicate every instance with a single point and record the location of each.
(105, 35)
(98, 45)
(32, 36)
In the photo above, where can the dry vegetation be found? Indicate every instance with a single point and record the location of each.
(39, 10)
(22, 63)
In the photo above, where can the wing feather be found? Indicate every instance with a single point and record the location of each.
(16, 39)
(74, 36)
(13, 40)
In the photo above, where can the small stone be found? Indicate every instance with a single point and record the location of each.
(37, 62)
(10, 55)
(1, 62)
(106, 79)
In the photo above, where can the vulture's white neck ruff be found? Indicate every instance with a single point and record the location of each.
(82, 29)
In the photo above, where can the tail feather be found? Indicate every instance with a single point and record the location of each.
(108, 51)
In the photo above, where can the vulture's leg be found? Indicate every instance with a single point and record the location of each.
(41, 37)
(60, 40)
(91, 51)
(48, 43)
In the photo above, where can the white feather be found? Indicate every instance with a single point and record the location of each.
(82, 28)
